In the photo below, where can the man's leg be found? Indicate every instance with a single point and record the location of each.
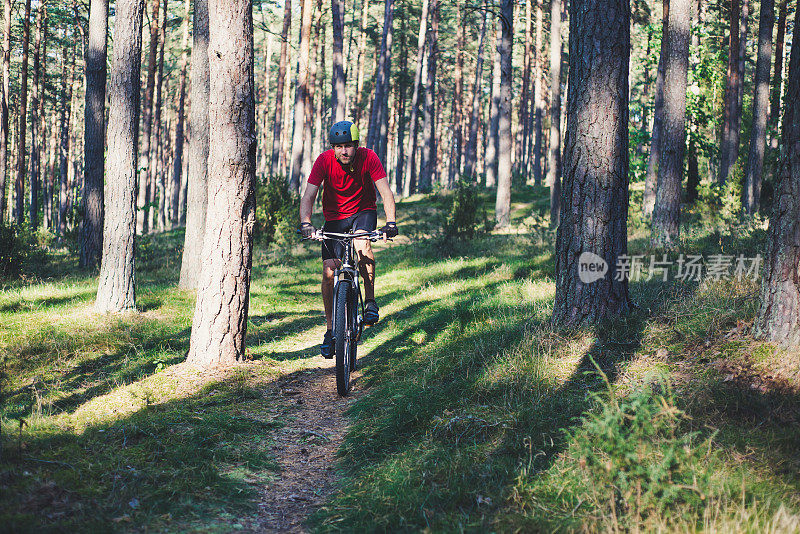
(328, 267)
(366, 266)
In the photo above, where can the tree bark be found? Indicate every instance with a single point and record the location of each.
(758, 131)
(197, 179)
(651, 177)
(596, 164)
(279, 91)
(301, 96)
(156, 171)
(730, 125)
(362, 48)
(427, 162)
(666, 217)
(177, 165)
(94, 136)
(411, 146)
(116, 289)
(777, 79)
(401, 111)
(779, 316)
(338, 82)
(492, 140)
(64, 143)
(471, 152)
(538, 100)
(457, 113)
(220, 319)
(523, 155)
(503, 201)
(554, 154)
(37, 117)
(19, 185)
(4, 112)
(144, 184)
(377, 132)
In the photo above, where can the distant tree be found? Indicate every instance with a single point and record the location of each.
(116, 289)
(504, 145)
(94, 136)
(666, 217)
(301, 96)
(411, 147)
(492, 139)
(37, 116)
(197, 187)
(19, 184)
(554, 155)
(279, 90)
(651, 177)
(338, 82)
(177, 166)
(471, 151)
(596, 164)
(729, 144)
(220, 318)
(428, 151)
(538, 98)
(777, 79)
(378, 129)
(778, 318)
(64, 160)
(4, 112)
(758, 132)
(148, 105)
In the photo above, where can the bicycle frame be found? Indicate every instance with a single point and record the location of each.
(348, 270)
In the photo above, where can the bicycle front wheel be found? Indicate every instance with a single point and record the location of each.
(343, 334)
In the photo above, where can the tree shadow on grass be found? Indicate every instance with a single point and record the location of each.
(25, 304)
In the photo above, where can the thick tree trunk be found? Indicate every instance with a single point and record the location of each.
(116, 290)
(730, 126)
(94, 136)
(651, 177)
(220, 318)
(338, 82)
(595, 166)
(492, 140)
(554, 153)
(502, 208)
(377, 132)
(301, 97)
(411, 146)
(758, 131)
(197, 176)
(427, 162)
(779, 316)
(777, 79)
(177, 165)
(4, 112)
(279, 91)
(471, 153)
(19, 184)
(666, 217)
(37, 117)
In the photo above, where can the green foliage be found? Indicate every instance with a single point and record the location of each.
(13, 250)
(276, 212)
(464, 213)
(635, 460)
(723, 202)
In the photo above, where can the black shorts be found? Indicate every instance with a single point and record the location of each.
(366, 220)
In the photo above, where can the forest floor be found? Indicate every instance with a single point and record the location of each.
(470, 412)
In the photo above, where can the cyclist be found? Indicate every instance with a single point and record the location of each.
(350, 175)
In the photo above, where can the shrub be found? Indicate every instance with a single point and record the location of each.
(464, 213)
(14, 249)
(277, 211)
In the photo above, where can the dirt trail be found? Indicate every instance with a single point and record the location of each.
(305, 448)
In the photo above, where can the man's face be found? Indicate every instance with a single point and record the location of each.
(345, 152)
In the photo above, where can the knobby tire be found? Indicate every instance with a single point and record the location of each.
(342, 332)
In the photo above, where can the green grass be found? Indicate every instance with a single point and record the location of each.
(479, 415)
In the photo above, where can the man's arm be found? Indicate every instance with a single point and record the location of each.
(307, 203)
(383, 188)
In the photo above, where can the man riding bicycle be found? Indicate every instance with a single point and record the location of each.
(350, 175)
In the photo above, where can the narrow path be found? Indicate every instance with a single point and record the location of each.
(305, 448)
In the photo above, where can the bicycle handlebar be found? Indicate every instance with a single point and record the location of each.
(321, 235)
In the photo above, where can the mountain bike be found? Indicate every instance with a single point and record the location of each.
(348, 304)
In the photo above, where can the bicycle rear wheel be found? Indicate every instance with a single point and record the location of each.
(342, 333)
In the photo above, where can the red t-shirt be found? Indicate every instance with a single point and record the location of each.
(347, 192)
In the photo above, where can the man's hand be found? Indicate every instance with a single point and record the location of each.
(307, 229)
(390, 230)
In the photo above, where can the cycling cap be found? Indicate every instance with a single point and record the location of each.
(343, 132)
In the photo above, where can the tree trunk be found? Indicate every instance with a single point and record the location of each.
(4, 98)
(758, 131)
(427, 162)
(523, 156)
(458, 103)
(411, 146)
(775, 99)
(538, 99)
(116, 290)
(19, 185)
(177, 167)
(693, 173)
(144, 184)
(94, 136)
(730, 125)
(220, 318)
(492, 140)
(301, 96)
(64, 144)
(338, 82)
(554, 154)
(651, 177)
(779, 316)
(37, 117)
(197, 176)
(308, 137)
(377, 132)
(401, 111)
(471, 153)
(502, 208)
(156, 177)
(666, 217)
(360, 60)
(284, 60)
(596, 166)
